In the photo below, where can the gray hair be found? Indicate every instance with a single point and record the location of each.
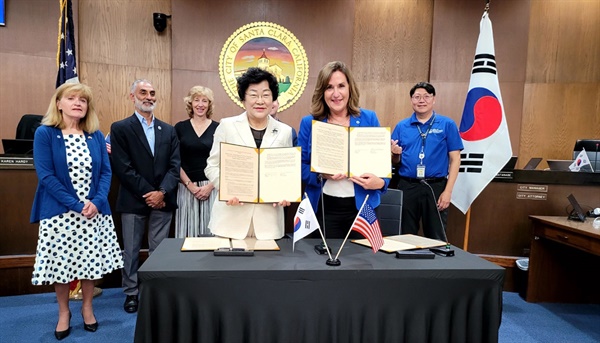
(136, 82)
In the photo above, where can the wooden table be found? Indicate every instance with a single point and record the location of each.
(564, 261)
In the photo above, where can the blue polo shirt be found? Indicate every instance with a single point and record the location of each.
(442, 137)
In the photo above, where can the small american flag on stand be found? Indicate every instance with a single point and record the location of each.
(366, 224)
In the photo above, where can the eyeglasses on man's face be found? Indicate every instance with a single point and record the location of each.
(419, 97)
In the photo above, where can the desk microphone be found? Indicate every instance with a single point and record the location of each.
(445, 251)
(320, 248)
(596, 159)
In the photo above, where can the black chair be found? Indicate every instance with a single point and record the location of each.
(27, 126)
(389, 212)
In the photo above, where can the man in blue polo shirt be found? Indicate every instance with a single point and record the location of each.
(427, 147)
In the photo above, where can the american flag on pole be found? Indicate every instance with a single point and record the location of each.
(366, 224)
(65, 57)
(67, 71)
(483, 127)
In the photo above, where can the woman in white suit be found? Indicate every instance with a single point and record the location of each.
(255, 128)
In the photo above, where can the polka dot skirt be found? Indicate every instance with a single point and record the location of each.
(70, 246)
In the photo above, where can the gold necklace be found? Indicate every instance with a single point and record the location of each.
(335, 120)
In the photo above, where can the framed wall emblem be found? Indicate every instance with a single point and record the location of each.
(270, 47)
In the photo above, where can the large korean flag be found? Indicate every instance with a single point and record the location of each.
(483, 125)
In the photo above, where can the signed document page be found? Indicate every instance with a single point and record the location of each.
(329, 153)
(205, 243)
(403, 242)
(370, 151)
(419, 242)
(238, 173)
(280, 176)
(260, 175)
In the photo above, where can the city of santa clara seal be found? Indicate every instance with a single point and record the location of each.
(270, 47)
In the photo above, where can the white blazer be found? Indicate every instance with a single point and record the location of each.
(235, 221)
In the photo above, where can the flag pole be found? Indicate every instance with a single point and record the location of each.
(325, 243)
(319, 247)
(319, 227)
(351, 226)
(467, 226)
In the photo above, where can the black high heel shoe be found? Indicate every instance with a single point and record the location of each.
(89, 327)
(63, 334)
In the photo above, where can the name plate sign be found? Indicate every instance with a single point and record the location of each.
(532, 192)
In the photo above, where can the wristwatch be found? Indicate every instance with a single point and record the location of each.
(163, 191)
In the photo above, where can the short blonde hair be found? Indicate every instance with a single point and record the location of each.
(199, 91)
(319, 108)
(53, 117)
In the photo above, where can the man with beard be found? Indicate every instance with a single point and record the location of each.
(145, 159)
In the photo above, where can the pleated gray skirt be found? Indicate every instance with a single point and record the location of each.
(193, 215)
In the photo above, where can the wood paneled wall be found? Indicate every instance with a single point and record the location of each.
(562, 87)
(117, 45)
(198, 38)
(547, 55)
(453, 49)
(391, 52)
(27, 60)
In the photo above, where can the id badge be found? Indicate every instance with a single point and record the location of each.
(420, 171)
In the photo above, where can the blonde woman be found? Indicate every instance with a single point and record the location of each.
(196, 194)
(77, 238)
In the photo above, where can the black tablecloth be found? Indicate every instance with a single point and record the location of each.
(285, 296)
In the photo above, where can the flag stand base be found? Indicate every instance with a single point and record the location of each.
(333, 262)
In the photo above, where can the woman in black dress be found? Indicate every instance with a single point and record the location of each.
(196, 194)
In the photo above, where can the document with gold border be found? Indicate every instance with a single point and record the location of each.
(260, 175)
(205, 243)
(351, 151)
(213, 243)
(403, 242)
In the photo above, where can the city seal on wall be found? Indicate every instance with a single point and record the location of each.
(270, 47)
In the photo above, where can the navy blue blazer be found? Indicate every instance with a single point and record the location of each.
(366, 118)
(138, 171)
(55, 193)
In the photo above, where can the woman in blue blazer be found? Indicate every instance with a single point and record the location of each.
(335, 100)
(77, 239)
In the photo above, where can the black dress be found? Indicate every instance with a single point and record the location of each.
(192, 216)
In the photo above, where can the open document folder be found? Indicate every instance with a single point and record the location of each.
(213, 243)
(403, 242)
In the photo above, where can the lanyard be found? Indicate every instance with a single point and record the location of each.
(424, 137)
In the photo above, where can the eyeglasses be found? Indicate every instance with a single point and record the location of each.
(254, 96)
(418, 97)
